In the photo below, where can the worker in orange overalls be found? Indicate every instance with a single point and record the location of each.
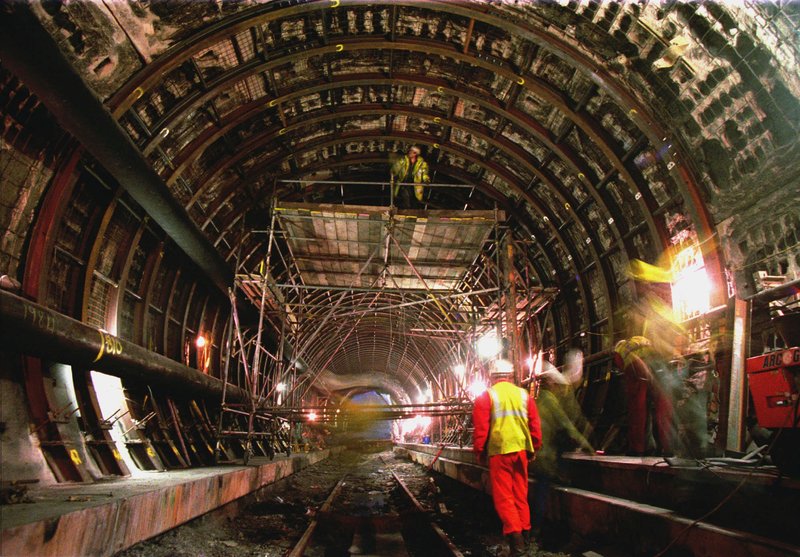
(508, 430)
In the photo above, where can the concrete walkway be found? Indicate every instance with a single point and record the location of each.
(106, 517)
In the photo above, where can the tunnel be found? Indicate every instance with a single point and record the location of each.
(213, 274)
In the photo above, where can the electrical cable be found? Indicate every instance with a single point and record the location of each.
(712, 511)
(728, 497)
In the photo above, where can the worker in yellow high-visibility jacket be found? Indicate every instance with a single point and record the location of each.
(507, 429)
(410, 168)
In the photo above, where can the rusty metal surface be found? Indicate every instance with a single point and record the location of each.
(34, 329)
(103, 519)
(33, 55)
(543, 117)
(632, 524)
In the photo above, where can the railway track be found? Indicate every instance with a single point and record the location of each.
(355, 502)
(373, 513)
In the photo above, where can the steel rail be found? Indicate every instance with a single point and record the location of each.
(302, 543)
(422, 511)
(419, 512)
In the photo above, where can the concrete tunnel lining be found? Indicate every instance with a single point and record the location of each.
(143, 147)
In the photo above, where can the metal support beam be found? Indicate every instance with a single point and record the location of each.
(737, 399)
(33, 329)
(29, 52)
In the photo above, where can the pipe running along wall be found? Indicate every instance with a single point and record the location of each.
(35, 330)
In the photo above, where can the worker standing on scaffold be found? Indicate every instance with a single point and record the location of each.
(410, 168)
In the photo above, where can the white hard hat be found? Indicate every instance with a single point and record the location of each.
(501, 367)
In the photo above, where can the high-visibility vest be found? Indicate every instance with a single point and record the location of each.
(509, 432)
(419, 172)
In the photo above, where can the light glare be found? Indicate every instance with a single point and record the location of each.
(691, 287)
(488, 345)
(529, 362)
(476, 388)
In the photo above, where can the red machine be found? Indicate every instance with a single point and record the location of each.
(775, 384)
(774, 379)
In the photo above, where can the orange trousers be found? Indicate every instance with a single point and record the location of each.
(508, 475)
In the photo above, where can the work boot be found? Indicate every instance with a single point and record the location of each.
(517, 544)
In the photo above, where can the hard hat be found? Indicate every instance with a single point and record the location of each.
(416, 149)
(501, 367)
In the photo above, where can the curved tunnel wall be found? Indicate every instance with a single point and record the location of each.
(559, 113)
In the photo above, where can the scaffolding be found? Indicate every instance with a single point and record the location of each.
(398, 294)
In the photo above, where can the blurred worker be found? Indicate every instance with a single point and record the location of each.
(507, 429)
(410, 168)
(696, 378)
(645, 376)
(564, 427)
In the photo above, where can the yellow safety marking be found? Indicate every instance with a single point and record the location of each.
(437, 120)
(137, 93)
(102, 346)
(75, 457)
(339, 47)
(175, 450)
(116, 454)
(520, 81)
(335, 3)
(109, 344)
(150, 452)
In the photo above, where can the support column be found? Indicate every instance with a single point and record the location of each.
(510, 296)
(737, 401)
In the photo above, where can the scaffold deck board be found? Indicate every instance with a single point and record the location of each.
(330, 244)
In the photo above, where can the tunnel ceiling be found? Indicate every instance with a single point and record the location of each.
(605, 131)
